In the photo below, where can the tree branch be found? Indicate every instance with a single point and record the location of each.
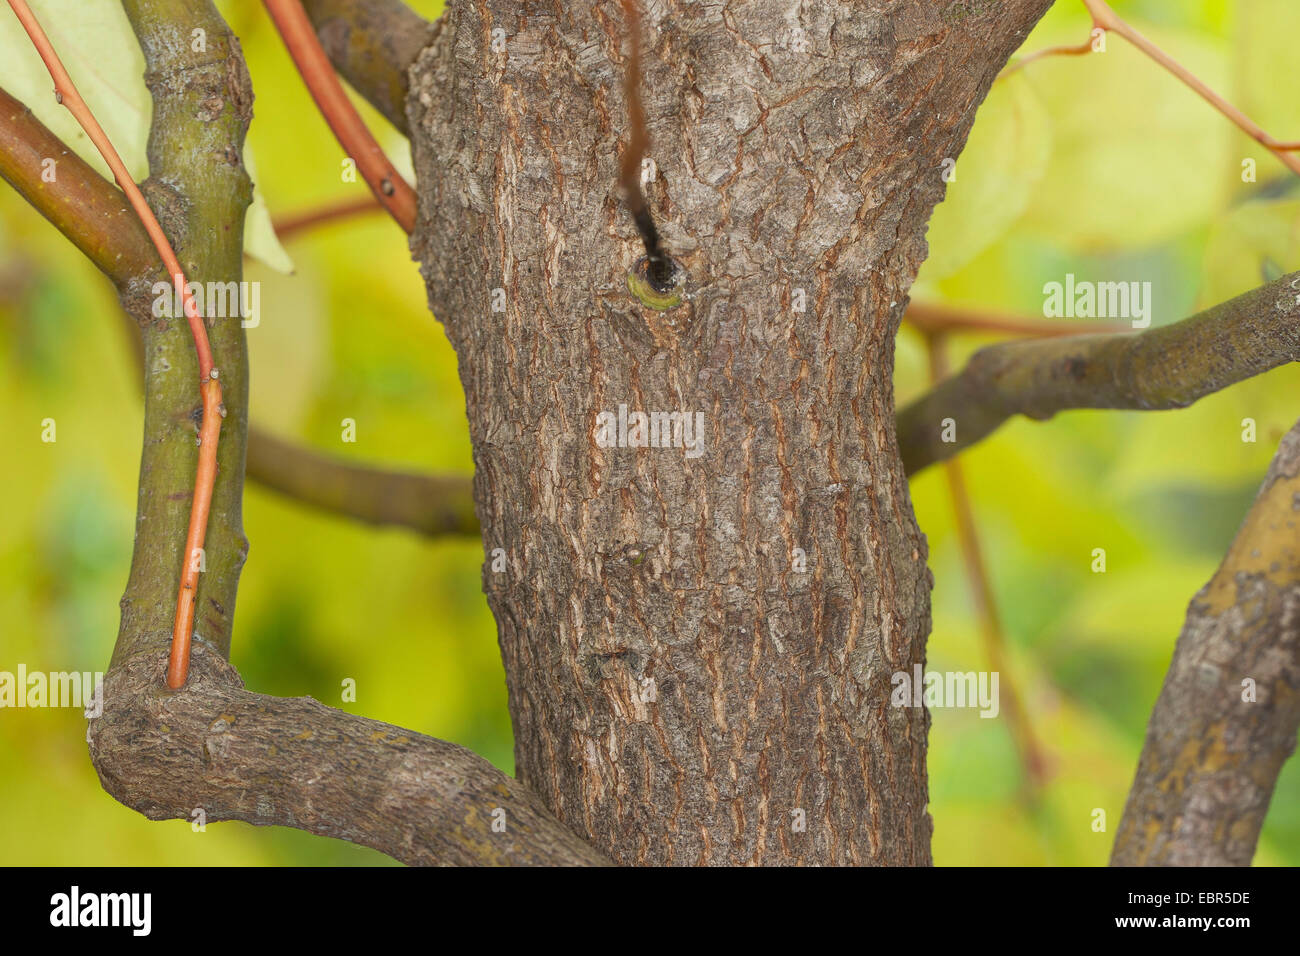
(234, 755)
(430, 504)
(215, 746)
(93, 213)
(372, 43)
(1228, 713)
(199, 190)
(390, 189)
(1168, 367)
(80, 203)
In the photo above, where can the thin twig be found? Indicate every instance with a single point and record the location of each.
(288, 226)
(372, 44)
(210, 389)
(392, 191)
(1107, 19)
(1103, 17)
(1065, 50)
(930, 318)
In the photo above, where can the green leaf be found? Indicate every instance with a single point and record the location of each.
(1253, 243)
(1265, 37)
(260, 240)
(1004, 159)
(1138, 157)
(96, 45)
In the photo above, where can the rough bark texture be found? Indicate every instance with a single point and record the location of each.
(1228, 713)
(681, 691)
(214, 747)
(236, 755)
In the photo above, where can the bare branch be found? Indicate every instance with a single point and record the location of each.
(429, 504)
(95, 216)
(932, 318)
(372, 43)
(229, 754)
(1168, 367)
(199, 190)
(1228, 713)
(215, 747)
(81, 204)
(390, 189)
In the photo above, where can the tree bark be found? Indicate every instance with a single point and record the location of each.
(214, 751)
(1228, 713)
(699, 648)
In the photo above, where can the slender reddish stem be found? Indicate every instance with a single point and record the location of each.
(178, 664)
(930, 318)
(288, 226)
(392, 191)
(213, 410)
(1080, 50)
(1108, 19)
(1105, 18)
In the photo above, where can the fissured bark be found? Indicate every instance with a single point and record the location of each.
(699, 643)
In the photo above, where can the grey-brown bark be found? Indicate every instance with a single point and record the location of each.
(214, 747)
(697, 676)
(681, 691)
(1162, 368)
(219, 752)
(1228, 713)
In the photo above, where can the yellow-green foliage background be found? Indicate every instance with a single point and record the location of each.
(1103, 166)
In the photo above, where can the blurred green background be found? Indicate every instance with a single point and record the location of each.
(1104, 166)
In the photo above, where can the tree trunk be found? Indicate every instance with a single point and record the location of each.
(699, 640)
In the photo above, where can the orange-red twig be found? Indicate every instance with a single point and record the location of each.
(288, 226)
(178, 664)
(392, 191)
(1080, 50)
(1105, 18)
(66, 93)
(1108, 19)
